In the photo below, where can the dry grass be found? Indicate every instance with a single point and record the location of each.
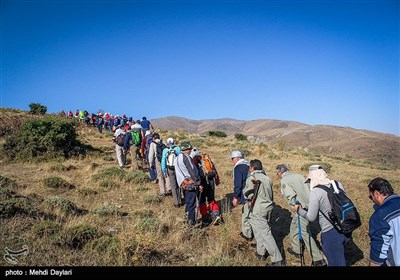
(127, 224)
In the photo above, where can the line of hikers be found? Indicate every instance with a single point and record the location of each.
(182, 172)
(190, 177)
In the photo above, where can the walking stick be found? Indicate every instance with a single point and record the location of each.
(302, 262)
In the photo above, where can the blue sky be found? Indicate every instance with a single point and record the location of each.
(315, 62)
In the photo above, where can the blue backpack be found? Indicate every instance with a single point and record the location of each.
(344, 215)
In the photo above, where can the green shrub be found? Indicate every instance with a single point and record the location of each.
(150, 199)
(107, 183)
(57, 183)
(58, 167)
(217, 133)
(46, 228)
(7, 183)
(110, 210)
(65, 205)
(148, 224)
(137, 177)
(108, 173)
(240, 137)
(37, 109)
(45, 138)
(6, 194)
(108, 245)
(76, 237)
(17, 205)
(86, 192)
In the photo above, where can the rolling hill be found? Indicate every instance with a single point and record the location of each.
(335, 140)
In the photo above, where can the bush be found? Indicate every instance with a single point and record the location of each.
(46, 228)
(240, 137)
(65, 205)
(76, 237)
(57, 183)
(217, 133)
(37, 109)
(45, 138)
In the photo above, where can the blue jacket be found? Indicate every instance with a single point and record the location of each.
(128, 141)
(164, 157)
(384, 232)
(240, 173)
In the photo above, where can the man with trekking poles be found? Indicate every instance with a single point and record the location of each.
(295, 190)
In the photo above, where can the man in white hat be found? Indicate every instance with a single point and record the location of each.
(240, 174)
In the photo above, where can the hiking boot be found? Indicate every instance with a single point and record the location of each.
(216, 220)
(290, 251)
(278, 263)
(321, 262)
(161, 194)
(260, 257)
(205, 221)
(168, 193)
(246, 238)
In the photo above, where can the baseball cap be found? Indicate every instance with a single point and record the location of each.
(236, 154)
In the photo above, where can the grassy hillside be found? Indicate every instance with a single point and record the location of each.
(87, 211)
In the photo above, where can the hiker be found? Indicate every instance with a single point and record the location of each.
(210, 214)
(240, 173)
(136, 141)
(155, 155)
(168, 169)
(148, 139)
(333, 242)
(384, 224)
(146, 125)
(100, 123)
(188, 179)
(119, 149)
(260, 201)
(293, 188)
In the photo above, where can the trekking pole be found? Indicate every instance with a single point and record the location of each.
(300, 237)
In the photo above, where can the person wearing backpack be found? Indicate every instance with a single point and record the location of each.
(207, 173)
(333, 241)
(188, 179)
(168, 169)
(294, 189)
(384, 224)
(119, 139)
(155, 156)
(136, 142)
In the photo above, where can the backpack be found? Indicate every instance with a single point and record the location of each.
(208, 168)
(120, 140)
(160, 148)
(344, 215)
(206, 164)
(171, 155)
(136, 138)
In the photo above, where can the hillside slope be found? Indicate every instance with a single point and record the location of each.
(335, 140)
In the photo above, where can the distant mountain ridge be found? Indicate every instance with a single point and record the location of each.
(343, 141)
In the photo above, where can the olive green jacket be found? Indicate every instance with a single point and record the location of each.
(264, 202)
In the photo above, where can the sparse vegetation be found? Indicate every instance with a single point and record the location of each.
(57, 183)
(240, 137)
(59, 234)
(217, 133)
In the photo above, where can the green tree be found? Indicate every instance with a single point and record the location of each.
(37, 109)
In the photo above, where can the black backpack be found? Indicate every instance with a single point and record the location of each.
(160, 148)
(344, 215)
